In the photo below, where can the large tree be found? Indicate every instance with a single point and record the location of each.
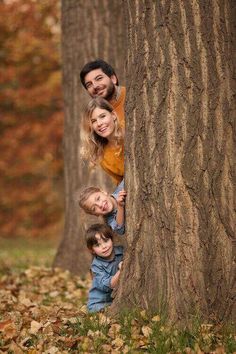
(90, 29)
(180, 158)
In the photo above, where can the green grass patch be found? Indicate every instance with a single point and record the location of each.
(19, 254)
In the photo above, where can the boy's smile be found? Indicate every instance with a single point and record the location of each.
(104, 247)
(100, 203)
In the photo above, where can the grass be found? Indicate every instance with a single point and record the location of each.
(19, 254)
(131, 333)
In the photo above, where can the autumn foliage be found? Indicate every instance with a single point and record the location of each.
(31, 122)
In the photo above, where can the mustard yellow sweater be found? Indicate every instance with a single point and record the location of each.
(113, 157)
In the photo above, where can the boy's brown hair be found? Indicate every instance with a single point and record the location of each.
(103, 230)
(82, 196)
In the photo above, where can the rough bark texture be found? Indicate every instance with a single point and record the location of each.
(89, 31)
(180, 158)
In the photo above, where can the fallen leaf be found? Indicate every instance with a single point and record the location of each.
(35, 327)
(156, 318)
(117, 343)
(147, 331)
(15, 348)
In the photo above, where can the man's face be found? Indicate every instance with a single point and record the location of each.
(97, 83)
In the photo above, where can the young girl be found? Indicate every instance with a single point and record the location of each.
(111, 207)
(102, 138)
(105, 267)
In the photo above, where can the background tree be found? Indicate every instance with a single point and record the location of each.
(90, 30)
(31, 119)
(180, 151)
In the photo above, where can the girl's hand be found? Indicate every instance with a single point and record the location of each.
(121, 198)
(120, 265)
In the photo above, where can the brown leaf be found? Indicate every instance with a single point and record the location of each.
(8, 328)
(147, 331)
(35, 327)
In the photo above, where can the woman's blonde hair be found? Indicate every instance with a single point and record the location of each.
(92, 145)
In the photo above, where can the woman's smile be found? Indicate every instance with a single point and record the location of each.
(103, 123)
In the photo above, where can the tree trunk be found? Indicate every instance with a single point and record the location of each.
(180, 159)
(88, 32)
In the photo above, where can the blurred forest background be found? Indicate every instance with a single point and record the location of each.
(31, 120)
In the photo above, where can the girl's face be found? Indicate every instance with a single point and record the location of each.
(100, 203)
(103, 122)
(104, 247)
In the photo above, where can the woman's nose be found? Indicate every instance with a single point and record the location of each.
(99, 122)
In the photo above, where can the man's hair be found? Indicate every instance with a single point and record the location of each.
(103, 230)
(97, 64)
(82, 195)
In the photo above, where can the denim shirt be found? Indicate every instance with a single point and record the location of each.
(110, 218)
(103, 270)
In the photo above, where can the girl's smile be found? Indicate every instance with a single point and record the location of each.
(100, 203)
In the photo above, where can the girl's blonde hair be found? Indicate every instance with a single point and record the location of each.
(92, 145)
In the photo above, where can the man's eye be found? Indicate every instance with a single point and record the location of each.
(87, 85)
(99, 78)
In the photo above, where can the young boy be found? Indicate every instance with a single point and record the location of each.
(95, 201)
(106, 266)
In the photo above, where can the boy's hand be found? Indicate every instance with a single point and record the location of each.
(120, 265)
(121, 198)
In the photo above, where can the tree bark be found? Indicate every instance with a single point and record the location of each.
(180, 159)
(89, 31)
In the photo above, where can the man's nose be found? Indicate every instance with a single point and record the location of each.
(95, 84)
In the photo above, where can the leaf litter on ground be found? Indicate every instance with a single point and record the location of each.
(42, 310)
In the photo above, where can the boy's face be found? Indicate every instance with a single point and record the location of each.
(104, 247)
(100, 203)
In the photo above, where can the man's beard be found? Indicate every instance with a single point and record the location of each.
(111, 89)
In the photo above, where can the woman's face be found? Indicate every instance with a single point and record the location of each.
(103, 122)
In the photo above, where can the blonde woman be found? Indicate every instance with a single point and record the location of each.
(103, 139)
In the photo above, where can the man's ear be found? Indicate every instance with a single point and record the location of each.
(114, 79)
